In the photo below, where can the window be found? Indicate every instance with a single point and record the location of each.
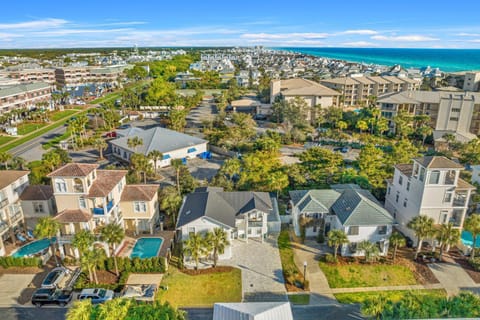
(78, 185)
(443, 217)
(408, 185)
(415, 170)
(353, 231)
(191, 231)
(140, 206)
(450, 177)
(405, 201)
(434, 177)
(120, 186)
(314, 228)
(382, 229)
(398, 196)
(38, 207)
(453, 118)
(82, 203)
(388, 190)
(455, 109)
(448, 196)
(400, 180)
(422, 174)
(60, 185)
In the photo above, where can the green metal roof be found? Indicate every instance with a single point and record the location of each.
(22, 88)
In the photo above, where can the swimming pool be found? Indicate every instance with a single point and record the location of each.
(467, 239)
(32, 248)
(146, 248)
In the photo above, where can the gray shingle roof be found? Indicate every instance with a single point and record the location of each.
(22, 88)
(314, 200)
(161, 139)
(438, 162)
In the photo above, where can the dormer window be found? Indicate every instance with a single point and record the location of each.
(434, 177)
(450, 177)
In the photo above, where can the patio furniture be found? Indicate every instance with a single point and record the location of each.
(21, 238)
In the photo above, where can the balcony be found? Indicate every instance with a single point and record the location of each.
(3, 226)
(3, 202)
(17, 215)
(101, 211)
(459, 200)
(255, 224)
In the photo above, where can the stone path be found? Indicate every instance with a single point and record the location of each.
(453, 278)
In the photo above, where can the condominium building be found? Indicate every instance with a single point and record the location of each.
(357, 89)
(429, 186)
(471, 81)
(24, 96)
(46, 75)
(450, 112)
(75, 76)
(88, 198)
(12, 184)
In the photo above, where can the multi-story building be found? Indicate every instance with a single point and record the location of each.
(75, 76)
(314, 94)
(46, 75)
(12, 184)
(139, 207)
(429, 186)
(471, 81)
(27, 95)
(37, 202)
(450, 112)
(358, 89)
(88, 198)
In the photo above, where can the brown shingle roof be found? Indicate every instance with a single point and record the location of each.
(405, 168)
(462, 184)
(73, 216)
(74, 170)
(438, 162)
(139, 192)
(105, 182)
(10, 176)
(37, 192)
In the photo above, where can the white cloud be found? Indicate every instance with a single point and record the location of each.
(358, 44)
(406, 38)
(63, 32)
(285, 36)
(466, 34)
(360, 32)
(34, 24)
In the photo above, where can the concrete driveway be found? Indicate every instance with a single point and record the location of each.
(262, 277)
(11, 287)
(453, 278)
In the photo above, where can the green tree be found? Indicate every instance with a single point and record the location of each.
(90, 259)
(336, 238)
(177, 164)
(136, 73)
(321, 165)
(470, 152)
(161, 93)
(5, 157)
(155, 156)
(47, 227)
(170, 202)
(372, 165)
(187, 182)
(403, 151)
(447, 236)
(257, 167)
(114, 309)
(423, 228)
(134, 142)
(83, 240)
(342, 125)
(472, 225)
(396, 240)
(80, 310)
(277, 181)
(374, 307)
(178, 119)
(231, 168)
(218, 241)
(141, 164)
(113, 235)
(370, 250)
(100, 145)
(195, 247)
(362, 125)
(403, 124)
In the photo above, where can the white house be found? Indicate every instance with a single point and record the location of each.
(252, 311)
(172, 144)
(429, 186)
(344, 207)
(242, 214)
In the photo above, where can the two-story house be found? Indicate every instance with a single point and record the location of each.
(37, 201)
(139, 207)
(241, 215)
(12, 184)
(344, 207)
(429, 186)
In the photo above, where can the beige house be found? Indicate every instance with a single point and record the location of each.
(37, 201)
(12, 184)
(139, 207)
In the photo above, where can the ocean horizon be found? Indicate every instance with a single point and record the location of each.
(447, 60)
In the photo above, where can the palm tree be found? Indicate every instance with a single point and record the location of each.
(177, 164)
(141, 164)
(83, 240)
(90, 259)
(336, 238)
(5, 157)
(447, 235)
(231, 167)
(217, 241)
(134, 143)
(114, 309)
(170, 201)
(47, 227)
(112, 234)
(81, 310)
(472, 225)
(397, 240)
(370, 249)
(100, 144)
(195, 247)
(19, 163)
(155, 155)
(423, 228)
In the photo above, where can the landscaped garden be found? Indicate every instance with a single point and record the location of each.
(293, 276)
(201, 288)
(394, 295)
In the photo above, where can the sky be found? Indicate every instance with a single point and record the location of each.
(281, 23)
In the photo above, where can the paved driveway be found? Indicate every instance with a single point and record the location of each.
(262, 277)
(453, 278)
(11, 287)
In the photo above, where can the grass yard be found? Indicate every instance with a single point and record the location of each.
(201, 290)
(5, 139)
(366, 275)
(290, 271)
(57, 115)
(26, 128)
(302, 299)
(394, 296)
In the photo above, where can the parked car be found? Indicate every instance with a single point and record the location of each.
(96, 295)
(260, 117)
(55, 277)
(51, 296)
(140, 292)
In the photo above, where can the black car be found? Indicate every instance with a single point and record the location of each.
(51, 296)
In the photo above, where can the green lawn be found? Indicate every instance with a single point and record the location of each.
(109, 97)
(395, 296)
(57, 115)
(299, 298)
(201, 290)
(5, 139)
(290, 271)
(366, 275)
(26, 128)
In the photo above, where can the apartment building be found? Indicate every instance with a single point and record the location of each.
(357, 89)
(450, 112)
(471, 81)
(314, 94)
(12, 184)
(88, 198)
(24, 96)
(46, 75)
(429, 186)
(75, 76)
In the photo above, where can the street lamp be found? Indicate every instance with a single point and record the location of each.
(304, 273)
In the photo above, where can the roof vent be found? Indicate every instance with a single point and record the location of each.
(188, 212)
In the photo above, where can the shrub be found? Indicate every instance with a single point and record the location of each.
(7, 262)
(320, 238)
(329, 258)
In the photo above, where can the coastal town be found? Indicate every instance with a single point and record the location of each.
(232, 182)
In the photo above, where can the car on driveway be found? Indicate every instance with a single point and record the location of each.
(55, 277)
(51, 296)
(96, 295)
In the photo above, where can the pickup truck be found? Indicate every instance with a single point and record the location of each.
(51, 296)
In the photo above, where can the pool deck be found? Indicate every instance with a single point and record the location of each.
(129, 243)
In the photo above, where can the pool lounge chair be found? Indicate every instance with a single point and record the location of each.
(30, 234)
(21, 238)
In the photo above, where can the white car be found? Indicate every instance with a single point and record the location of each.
(97, 295)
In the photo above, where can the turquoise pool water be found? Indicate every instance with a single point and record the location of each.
(467, 239)
(146, 248)
(32, 248)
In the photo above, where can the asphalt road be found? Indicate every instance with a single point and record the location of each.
(44, 313)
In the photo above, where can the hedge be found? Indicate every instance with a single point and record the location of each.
(10, 261)
(155, 264)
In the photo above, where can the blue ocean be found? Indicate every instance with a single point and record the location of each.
(448, 60)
